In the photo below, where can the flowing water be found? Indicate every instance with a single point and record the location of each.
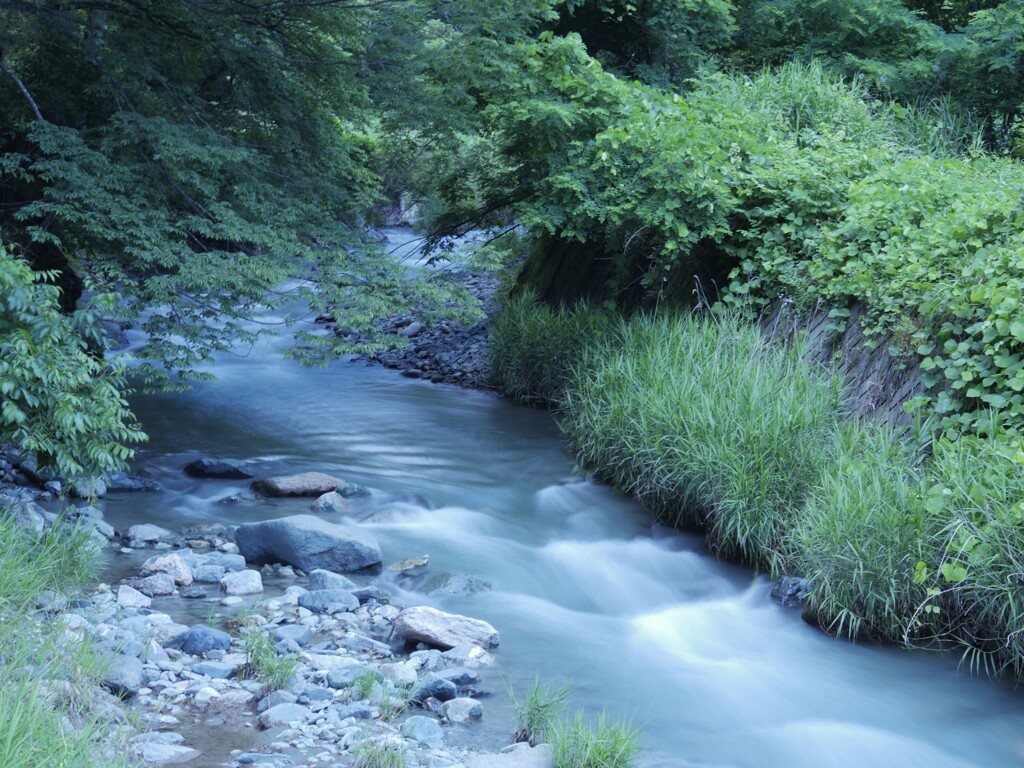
(641, 622)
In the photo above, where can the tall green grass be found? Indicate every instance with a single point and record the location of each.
(709, 423)
(47, 680)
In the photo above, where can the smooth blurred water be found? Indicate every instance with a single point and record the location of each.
(642, 623)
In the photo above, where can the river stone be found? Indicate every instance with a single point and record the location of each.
(157, 585)
(461, 676)
(516, 756)
(471, 656)
(131, 598)
(167, 754)
(331, 502)
(29, 516)
(321, 579)
(89, 488)
(444, 630)
(436, 687)
(303, 484)
(208, 573)
(226, 469)
(122, 481)
(307, 542)
(297, 633)
(282, 714)
(124, 675)
(424, 730)
(328, 601)
(201, 639)
(139, 536)
(173, 565)
(226, 560)
(410, 564)
(193, 593)
(242, 583)
(462, 710)
(216, 669)
(454, 585)
(352, 490)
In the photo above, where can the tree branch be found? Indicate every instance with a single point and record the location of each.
(24, 90)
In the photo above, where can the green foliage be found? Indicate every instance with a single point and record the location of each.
(262, 661)
(379, 754)
(57, 399)
(46, 679)
(601, 743)
(533, 348)
(706, 421)
(538, 713)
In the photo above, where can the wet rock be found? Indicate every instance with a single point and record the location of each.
(371, 592)
(331, 502)
(329, 601)
(222, 469)
(283, 714)
(444, 630)
(462, 710)
(454, 585)
(412, 329)
(89, 488)
(791, 591)
(226, 560)
(194, 593)
(128, 597)
(242, 583)
(122, 481)
(157, 585)
(302, 484)
(201, 639)
(139, 536)
(436, 687)
(124, 675)
(309, 543)
(352, 490)
(423, 730)
(173, 565)
(470, 656)
(461, 676)
(29, 516)
(321, 579)
(410, 564)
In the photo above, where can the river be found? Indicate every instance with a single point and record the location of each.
(641, 622)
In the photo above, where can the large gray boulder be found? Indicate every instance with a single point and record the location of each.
(307, 542)
(444, 630)
(124, 675)
(303, 484)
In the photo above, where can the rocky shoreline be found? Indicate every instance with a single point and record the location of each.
(327, 673)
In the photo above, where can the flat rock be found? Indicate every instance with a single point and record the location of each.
(328, 601)
(321, 579)
(282, 714)
(142, 535)
(331, 502)
(201, 639)
(309, 543)
(454, 585)
(444, 630)
(297, 633)
(128, 597)
(216, 669)
(167, 754)
(224, 469)
(302, 484)
(171, 564)
(242, 583)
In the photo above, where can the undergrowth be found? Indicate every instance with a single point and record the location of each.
(904, 537)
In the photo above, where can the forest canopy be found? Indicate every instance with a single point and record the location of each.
(175, 166)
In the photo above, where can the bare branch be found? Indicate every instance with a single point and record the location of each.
(24, 90)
